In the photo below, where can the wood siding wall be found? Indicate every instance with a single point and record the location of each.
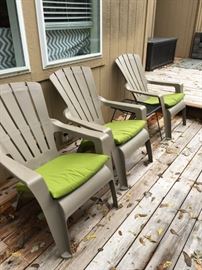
(178, 18)
(126, 27)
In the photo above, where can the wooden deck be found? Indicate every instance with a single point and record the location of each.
(158, 224)
(191, 78)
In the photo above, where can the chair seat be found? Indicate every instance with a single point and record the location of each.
(67, 172)
(125, 130)
(170, 100)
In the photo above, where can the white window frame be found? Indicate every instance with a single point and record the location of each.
(26, 67)
(43, 44)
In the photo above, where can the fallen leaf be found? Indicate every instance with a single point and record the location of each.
(120, 206)
(140, 215)
(183, 211)
(174, 232)
(197, 188)
(90, 236)
(120, 233)
(142, 241)
(160, 231)
(100, 249)
(167, 264)
(187, 259)
(35, 265)
(180, 215)
(148, 237)
(16, 254)
(197, 257)
(147, 194)
(133, 233)
(152, 199)
(171, 150)
(129, 205)
(112, 268)
(34, 249)
(162, 205)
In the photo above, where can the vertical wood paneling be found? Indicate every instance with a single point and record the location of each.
(177, 19)
(198, 27)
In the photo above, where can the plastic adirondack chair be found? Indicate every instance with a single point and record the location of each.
(171, 104)
(27, 145)
(77, 88)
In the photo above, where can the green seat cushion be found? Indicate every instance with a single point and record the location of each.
(170, 100)
(122, 132)
(125, 130)
(67, 172)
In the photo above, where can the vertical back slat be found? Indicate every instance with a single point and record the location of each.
(15, 112)
(62, 85)
(83, 86)
(93, 94)
(25, 102)
(77, 93)
(131, 67)
(42, 113)
(9, 146)
(10, 128)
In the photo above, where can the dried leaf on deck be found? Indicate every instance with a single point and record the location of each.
(16, 254)
(162, 205)
(187, 259)
(35, 248)
(148, 237)
(197, 257)
(89, 237)
(147, 194)
(197, 188)
(112, 268)
(183, 211)
(142, 241)
(160, 231)
(35, 265)
(140, 215)
(120, 233)
(171, 150)
(167, 264)
(174, 232)
(129, 205)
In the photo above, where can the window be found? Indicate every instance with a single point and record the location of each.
(13, 50)
(69, 30)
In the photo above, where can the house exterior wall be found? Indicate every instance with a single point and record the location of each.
(126, 26)
(181, 19)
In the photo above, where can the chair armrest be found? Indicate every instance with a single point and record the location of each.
(83, 123)
(102, 141)
(29, 177)
(139, 110)
(149, 94)
(178, 86)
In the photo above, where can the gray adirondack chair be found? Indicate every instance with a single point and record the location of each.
(77, 88)
(171, 104)
(27, 142)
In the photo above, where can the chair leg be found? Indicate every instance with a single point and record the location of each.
(113, 192)
(184, 116)
(58, 227)
(149, 150)
(119, 163)
(167, 125)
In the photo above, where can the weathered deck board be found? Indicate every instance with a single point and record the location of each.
(173, 160)
(191, 78)
(117, 246)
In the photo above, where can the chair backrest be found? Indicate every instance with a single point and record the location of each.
(131, 68)
(26, 132)
(76, 86)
